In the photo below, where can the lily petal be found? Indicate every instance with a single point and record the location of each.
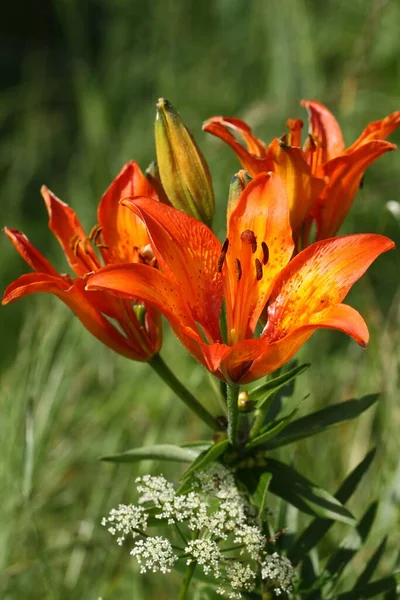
(319, 278)
(123, 232)
(273, 355)
(262, 210)
(254, 157)
(29, 253)
(345, 173)
(80, 302)
(65, 225)
(326, 136)
(158, 291)
(378, 130)
(187, 252)
(302, 188)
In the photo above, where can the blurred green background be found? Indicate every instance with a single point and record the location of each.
(79, 82)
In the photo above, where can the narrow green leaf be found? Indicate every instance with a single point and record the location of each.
(206, 457)
(345, 554)
(318, 528)
(259, 497)
(371, 566)
(262, 393)
(381, 586)
(273, 431)
(165, 452)
(321, 420)
(296, 489)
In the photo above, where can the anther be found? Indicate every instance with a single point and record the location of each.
(238, 269)
(259, 269)
(249, 237)
(265, 252)
(221, 258)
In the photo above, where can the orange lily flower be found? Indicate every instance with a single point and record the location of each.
(321, 179)
(200, 281)
(120, 237)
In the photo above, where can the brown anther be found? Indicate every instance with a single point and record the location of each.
(248, 237)
(221, 257)
(259, 269)
(265, 252)
(238, 269)
(146, 255)
(283, 142)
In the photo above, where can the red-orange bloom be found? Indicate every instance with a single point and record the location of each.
(323, 177)
(120, 237)
(203, 283)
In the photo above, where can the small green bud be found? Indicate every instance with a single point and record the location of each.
(184, 173)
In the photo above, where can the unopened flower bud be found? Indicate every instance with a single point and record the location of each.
(184, 173)
(238, 183)
(244, 403)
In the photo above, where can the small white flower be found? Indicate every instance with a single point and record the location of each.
(279, 571)
(155, 489)
(217, 481)
(125, 520)
(154, 554)
(206, 553)
(253, 539)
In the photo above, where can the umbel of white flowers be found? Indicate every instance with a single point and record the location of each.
(213, 525)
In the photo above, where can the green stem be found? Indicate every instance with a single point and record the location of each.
(167, 375)
(186, 581)
(233, 411)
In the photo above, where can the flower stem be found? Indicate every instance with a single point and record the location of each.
(169, 378)
(233, 411)
(186, 580)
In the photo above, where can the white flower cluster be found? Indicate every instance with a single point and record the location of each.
(279, 571)
(225, 538)
(125, 520)
(154, 554)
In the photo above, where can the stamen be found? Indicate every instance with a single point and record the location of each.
(146, 255)
(221, 258)
(259, 269)
(265, 252)
(249, 237)
(238, 269)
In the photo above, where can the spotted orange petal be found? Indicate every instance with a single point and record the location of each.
(187, 252)
(262, 210)
(74, 296)
(378, 130)
(123, 232)
(302, 188)
(29, 253)
(253, 157)
(345, 173)
(65, 225)
(319, 278)
(326, 136)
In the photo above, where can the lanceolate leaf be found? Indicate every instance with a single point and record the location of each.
(318, 528)
(273, 431)
(165, 452)
(262, 393)
(371, 566)
(321, 420)
(381, 586)
(344, 555)
(207, 457)
(296, 489)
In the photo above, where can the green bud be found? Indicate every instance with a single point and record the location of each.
(238, 183)
(183, 170)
